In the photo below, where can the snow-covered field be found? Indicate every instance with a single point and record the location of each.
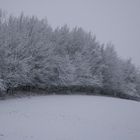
(67, 117)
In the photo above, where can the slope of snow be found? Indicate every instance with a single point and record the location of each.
(67, 117)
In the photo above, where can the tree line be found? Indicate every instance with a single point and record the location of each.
(33, 55)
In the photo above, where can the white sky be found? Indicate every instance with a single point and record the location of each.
(117, 21)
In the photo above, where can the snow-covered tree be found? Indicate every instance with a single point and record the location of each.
(112, 72)
(32, 54)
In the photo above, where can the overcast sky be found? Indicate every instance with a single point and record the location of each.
(117, 21)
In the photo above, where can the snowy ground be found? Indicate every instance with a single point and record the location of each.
(67, 117)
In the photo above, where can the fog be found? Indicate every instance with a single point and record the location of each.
(115, 21)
